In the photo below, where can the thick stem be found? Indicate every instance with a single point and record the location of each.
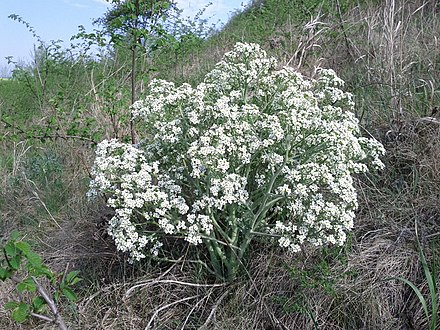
(234, 229)
(226, 255)
(224, 259)
(214, 259)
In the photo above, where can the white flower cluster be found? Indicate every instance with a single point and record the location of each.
(251, 149)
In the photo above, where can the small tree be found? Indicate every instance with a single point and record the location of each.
(130, 24)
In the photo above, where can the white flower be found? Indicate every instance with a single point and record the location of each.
(250, 146)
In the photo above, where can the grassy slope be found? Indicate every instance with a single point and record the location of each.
(393, 70)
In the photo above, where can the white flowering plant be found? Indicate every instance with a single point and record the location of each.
(253, 151)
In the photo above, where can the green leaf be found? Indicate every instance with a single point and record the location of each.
(21, 287)
(70, 277)
(11, 305)
(27, 285)
(69, 294)
(4, 273)
(432, 285)
(15, 262)
(21, 313)
(42, 270)
(23, 247)
(417, 292)
(34, 259)
(15, 235)
(10, 249)
(38, 303)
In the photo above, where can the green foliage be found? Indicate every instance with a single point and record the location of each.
(63, 85)
(133, 25)
(19, 311)
(26, 269)
(15, 96)
(20, 108)
(258, 23)
(55, 87)
(134, 18)
(185, 37)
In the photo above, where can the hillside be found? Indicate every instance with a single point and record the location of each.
(387, 52)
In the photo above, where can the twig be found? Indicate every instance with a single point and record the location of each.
(65, 273)
(214, 309)
(42, 317)
(48, 136)
(146, 283)
(58, 319)
(165, 307)
(308, 40)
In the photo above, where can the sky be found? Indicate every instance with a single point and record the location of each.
(59, 20)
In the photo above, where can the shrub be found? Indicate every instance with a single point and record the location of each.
(251, 152)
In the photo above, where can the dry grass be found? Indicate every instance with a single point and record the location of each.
(392, 64)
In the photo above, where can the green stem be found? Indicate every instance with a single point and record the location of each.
(264, 207)
(234, 225)
(214, 259)
(219, 228)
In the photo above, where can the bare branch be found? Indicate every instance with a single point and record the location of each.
(58, 319)
(42, 317)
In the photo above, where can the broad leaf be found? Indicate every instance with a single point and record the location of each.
(69, 294)
(15, 262)
(23, 247)
(27, 285)
(11, 305)
(38, 303)
(72, 277)
(10, 249)
(21, 313)
(43, 270)
(15, 235)
(4, 273)
(34, 259)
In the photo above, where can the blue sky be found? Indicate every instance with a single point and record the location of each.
(59, 19)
